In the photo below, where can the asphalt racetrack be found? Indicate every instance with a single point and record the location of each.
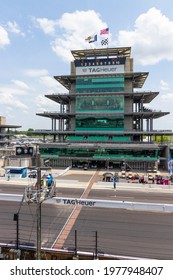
(138, 234)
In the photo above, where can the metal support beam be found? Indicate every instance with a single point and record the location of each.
(96, 245)
(16, 218)
(38, 214)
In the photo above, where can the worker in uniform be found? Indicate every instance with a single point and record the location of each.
(115, 181)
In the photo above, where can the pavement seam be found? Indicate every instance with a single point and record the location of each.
(59, 243)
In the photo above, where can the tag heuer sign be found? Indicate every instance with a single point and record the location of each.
(93, 70)
(24, 151)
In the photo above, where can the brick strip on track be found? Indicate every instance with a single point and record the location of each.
(72, 219)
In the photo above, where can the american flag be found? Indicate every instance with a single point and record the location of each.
(104, 31)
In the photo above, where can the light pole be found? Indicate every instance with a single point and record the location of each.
(37, 197)
(39, 202)
(16, 219)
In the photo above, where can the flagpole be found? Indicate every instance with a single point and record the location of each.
(108, 41)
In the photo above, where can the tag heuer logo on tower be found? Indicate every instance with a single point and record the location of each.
(102, 69)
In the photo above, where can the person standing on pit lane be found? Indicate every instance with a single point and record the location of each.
(115, 182)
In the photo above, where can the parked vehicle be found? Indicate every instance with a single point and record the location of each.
(130, 175)
(32, 174)
(85, 167)
(150, 176)
(123, 174)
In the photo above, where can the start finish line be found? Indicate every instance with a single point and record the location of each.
(128, 205)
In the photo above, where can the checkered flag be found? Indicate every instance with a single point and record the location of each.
(104, 42)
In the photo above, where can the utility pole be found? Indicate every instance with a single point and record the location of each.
(39, 201)
(16, 219)
(36, 195)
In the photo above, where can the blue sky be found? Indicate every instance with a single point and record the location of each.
(36, 38)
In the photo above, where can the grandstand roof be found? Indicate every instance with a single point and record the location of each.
(108, 52)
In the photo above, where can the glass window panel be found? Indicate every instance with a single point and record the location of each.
(106, 103)
(100, 153)
(104, 84)
(100, 123)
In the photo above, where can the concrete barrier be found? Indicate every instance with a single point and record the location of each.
(91, 203)
(128, 205)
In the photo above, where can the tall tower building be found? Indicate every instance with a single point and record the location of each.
(103, 120)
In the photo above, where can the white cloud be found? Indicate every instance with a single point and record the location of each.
(45, 104)
(36, 72)
(164, 85)
(4, 39)
(11, 90)
(14, 28)
(52, 86)
(48, 82)
(167, 97)
(59, 46)
(48, 26)
(71, 30)
(152, 38)
(21, 85)
(83, 22)
(10, 95)
(8, 99)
